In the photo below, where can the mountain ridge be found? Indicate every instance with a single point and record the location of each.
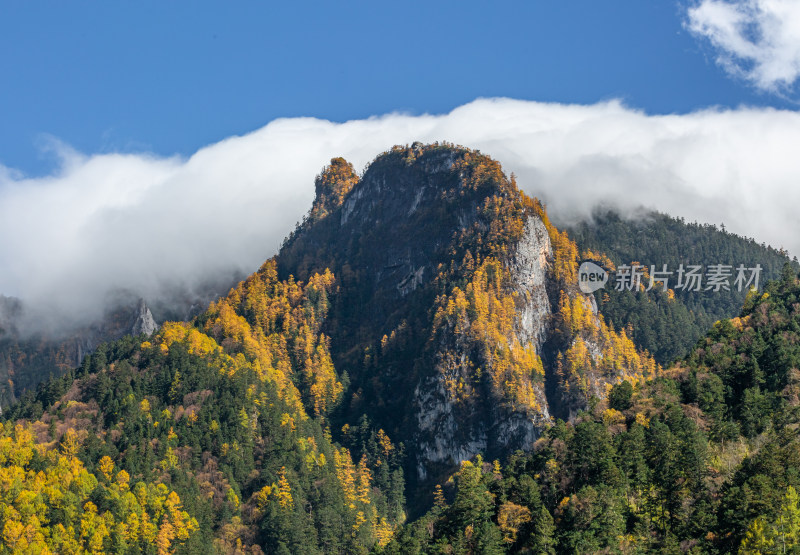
(488, 263)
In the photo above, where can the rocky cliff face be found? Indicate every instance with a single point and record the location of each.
(144, 323)
(448, 430)
(528, 267)
(447, 299)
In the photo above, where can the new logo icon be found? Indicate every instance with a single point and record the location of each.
(591, 277)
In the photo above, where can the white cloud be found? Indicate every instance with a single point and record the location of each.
(758, 40)
(140, 221)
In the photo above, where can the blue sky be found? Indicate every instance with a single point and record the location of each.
(171, 77)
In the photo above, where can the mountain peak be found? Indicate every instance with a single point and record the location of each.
(332, 185)
(447, 304)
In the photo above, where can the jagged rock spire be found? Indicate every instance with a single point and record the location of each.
(332, 185)
(144, 322)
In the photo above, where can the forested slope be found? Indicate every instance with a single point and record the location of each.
(703, 459)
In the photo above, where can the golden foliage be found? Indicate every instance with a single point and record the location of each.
(511, 517)
(107, 467)
(597, 352)
(345, 472)
(60, 481)
(284, 491)
(484, 313)
(271, 328)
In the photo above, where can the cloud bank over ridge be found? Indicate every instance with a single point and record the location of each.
(143, 222)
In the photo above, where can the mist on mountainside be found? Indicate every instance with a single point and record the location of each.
(151, 226)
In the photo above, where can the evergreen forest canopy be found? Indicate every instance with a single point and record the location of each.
(282, 419)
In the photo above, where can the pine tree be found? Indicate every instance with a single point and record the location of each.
(542, 539)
